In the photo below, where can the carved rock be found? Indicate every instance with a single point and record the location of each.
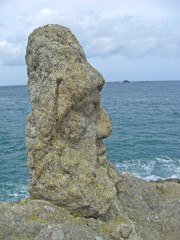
(64, 131)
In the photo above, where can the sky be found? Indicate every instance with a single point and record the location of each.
(138, 40)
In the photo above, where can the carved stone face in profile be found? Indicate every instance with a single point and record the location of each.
(84, 127)
(64, 132)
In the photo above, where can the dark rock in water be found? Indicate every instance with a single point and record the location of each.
(75, 192)
(126, 81)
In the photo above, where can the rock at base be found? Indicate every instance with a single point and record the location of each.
(142, 211)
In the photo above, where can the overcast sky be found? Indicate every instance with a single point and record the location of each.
(138, 40)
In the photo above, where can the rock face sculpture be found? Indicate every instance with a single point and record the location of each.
(67, 162)
(64, 132)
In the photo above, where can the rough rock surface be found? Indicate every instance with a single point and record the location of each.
(64, 132)
(40, 220)
(143, 211)
(75, 193)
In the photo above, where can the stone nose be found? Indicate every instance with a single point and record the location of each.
(103, 124)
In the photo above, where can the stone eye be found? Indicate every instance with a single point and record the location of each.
(89, 109)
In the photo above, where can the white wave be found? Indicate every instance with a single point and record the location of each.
(161, 167)
(11, 192)
(164, 159)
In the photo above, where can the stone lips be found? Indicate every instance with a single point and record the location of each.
(64, 132)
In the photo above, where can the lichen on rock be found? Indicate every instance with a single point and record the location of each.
(64, 131)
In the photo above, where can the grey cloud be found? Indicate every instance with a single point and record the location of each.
(3, 25)
(131, 37)
(102, 36)
(11, 54)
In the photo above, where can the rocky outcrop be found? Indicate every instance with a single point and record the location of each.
(143, 211)
(153, 207)
(64, 132)
(75, 192)
(40, 220)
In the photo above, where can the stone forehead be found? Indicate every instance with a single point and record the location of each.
(55, 37)
(54, 51)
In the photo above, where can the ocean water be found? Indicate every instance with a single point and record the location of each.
(145, 139)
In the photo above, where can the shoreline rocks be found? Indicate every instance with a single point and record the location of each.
(40, 219)
(143, 211)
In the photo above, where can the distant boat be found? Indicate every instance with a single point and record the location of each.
(126, 81)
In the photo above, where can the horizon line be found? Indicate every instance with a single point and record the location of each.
(130, 81)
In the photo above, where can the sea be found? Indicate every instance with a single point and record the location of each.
(145, 139)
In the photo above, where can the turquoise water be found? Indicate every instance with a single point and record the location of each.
(145, 139)
(14, 106)
(146, 128)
